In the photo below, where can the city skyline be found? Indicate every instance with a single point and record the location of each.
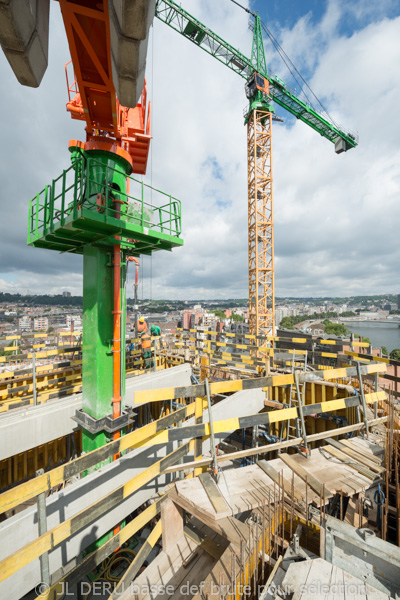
(329, 220)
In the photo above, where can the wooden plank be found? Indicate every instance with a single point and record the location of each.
(353, 444)
(172, 523)
(213, 544)
(273, 572)
(372, 466)
(192, 497)
(192, 576)
(216, 498)
(296, 575)
(335, 581)
(230, 528)
(162, 568)
(277, 478)
(178, 575)
(314, 484)
(350, 462)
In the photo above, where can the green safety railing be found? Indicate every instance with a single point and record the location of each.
(76, 193)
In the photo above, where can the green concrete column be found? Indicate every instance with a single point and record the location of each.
(97, 359)
(107, 175)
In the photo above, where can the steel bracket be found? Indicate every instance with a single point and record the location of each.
(105, 423)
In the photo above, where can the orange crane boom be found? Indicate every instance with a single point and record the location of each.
(91, 96)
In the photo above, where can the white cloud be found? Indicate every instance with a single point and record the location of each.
(335, 216)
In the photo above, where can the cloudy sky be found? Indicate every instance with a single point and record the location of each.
(336, 217)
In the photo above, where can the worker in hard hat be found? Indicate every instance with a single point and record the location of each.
(145, 341)
(141, 325)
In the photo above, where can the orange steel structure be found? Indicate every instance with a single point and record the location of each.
(261, 228)
(92, 96)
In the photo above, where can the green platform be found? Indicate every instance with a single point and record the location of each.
(78, 208)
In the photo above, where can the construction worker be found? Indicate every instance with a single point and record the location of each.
(141, 325)
(146, 349)
(145, 341)
(155, 330)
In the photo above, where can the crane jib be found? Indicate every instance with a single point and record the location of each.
(184, 23)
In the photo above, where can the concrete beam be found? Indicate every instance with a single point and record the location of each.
(130, 21)
(20, 529)
(26, 428)
(24, 37)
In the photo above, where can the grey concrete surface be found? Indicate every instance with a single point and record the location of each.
(24, 37)
(20, 529)
(130, 21)
(25, 428)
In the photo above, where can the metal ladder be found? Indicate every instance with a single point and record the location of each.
(297, 400)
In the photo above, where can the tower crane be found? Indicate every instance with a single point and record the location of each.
(262, 91)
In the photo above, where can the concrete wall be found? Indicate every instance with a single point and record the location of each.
(22, 528)
(26, 428)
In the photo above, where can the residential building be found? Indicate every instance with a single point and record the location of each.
(40, 323)
(25, 322)
(209, 320)
(186, 318)
(76, 320)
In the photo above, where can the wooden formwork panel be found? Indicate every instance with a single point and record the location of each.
(20, 467)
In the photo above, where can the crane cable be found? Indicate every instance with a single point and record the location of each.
(244, 8)
(284, 56)
(151, 152)
(289, 64)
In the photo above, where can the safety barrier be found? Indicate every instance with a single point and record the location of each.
(223, 387)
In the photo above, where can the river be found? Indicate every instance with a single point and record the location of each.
(380, 334)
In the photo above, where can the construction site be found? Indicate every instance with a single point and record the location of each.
(197, 463)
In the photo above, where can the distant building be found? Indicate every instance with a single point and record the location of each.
(24, 323)
(76, 320)
(220, 326)
(209, 320)
(391, 306)
(280, 313)
(316, 329)
(186, 318)
(196, 318)
(191, 318)
(40, 323)
(66, 294)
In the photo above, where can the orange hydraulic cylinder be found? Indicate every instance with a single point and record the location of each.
(116, 401)
(117, 339)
